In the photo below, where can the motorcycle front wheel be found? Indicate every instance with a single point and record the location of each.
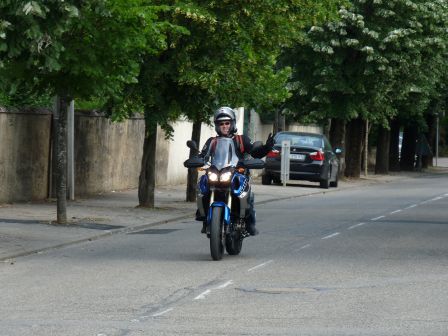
(216, 245)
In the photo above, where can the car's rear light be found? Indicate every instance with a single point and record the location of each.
(317, 156)
(273, 154)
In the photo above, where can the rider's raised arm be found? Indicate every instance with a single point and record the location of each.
(255, 151)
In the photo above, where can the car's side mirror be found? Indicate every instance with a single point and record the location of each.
(338, 150)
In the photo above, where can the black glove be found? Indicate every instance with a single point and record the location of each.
(270, 141)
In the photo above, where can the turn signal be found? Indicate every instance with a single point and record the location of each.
(317, 156)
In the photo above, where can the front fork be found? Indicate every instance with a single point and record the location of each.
(226, 210)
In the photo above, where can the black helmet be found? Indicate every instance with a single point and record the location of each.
(222, 114)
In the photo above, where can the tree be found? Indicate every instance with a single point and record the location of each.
(76, 50)
(225, 56)
(368, 64)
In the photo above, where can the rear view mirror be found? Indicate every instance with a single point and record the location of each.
(192, 145)
(195, 162)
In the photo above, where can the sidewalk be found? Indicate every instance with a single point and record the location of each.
(25, 228)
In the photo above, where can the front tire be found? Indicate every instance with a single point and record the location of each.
(216, 246)
(234, 243)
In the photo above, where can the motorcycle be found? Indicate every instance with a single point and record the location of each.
(224, 194)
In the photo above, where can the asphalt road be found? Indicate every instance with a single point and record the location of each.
(370, 261)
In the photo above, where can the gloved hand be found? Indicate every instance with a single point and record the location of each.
(270, 141)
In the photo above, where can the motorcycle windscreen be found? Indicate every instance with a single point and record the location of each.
(224, 154)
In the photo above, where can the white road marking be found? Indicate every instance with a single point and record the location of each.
(356, 225)
(203, 295)
(411, 206)
(224, 285)
(208, 291)
(436, 198)
(376, 218)
(445, 195)
(331, 236)
(396, 211)
(303, 247)
(259, 266)
(162, 312)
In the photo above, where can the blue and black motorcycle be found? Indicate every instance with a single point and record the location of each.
(224, 193)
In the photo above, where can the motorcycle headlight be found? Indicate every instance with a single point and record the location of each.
(213, 177)
(225, 177)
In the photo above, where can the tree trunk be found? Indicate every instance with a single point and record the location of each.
(382, 151)
(281, 122)
(431, 120)
(147, 180)
(408, 149)
(61, 159)
(192, 178)
(366, 148)
(337, 140)
(354, 144)
(394, 154)
(326, 129)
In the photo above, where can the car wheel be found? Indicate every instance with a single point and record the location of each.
(325, 183)
(334, 184)
(266, 179)
(276, 181)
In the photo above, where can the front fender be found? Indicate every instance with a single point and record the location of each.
(226, 212)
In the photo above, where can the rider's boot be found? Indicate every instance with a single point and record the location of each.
(252, 229)
(202, 219)
(204, 227)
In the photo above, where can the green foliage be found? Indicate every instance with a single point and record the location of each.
(20, 94)
(78, 49)
(227, 56)
(379, 59)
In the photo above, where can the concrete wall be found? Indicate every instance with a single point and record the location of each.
(24, 155)
(107, 155)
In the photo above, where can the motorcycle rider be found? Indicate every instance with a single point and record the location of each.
(225, 126)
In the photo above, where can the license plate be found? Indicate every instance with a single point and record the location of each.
(299, 157)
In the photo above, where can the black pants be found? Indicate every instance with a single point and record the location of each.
(251, 218)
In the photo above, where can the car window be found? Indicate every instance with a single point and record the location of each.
(300, 140)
